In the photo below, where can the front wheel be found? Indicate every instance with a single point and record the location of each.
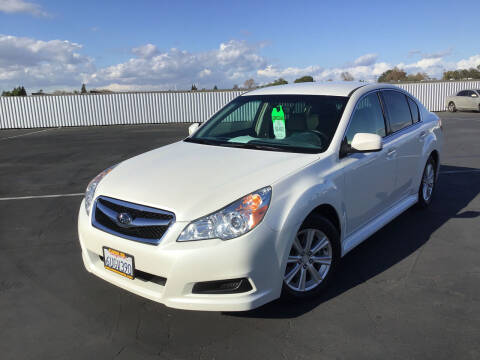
(427, 186)
(451, 107)
(313, 258)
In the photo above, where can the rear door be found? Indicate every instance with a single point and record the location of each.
(405, 139)
(471, 100)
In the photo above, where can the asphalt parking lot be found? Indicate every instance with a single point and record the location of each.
(411, 291)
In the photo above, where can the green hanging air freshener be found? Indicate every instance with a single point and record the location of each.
(278, 118)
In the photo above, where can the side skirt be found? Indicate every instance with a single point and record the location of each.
(376, 224)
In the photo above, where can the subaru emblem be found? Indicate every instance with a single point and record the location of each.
(124, 219)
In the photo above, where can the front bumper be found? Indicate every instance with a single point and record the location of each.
(252, 256)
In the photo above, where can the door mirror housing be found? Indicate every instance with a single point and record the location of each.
(366, 142)
(474, 95)
(192, 128)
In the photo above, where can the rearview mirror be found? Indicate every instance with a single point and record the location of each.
(366, 142)
(192, 128)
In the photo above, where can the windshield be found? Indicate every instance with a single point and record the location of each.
(294, 123)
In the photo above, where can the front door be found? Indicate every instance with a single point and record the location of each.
(369, 177)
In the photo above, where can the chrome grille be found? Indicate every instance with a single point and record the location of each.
(131, 221)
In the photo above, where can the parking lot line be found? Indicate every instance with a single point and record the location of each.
(460, 171)
(30, 133)
(40, 196)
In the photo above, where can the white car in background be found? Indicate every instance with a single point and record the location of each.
(464, 100)
(263, 199)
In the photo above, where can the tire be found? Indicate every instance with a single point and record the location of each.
(315, 264)
(451, 107)
(427, 185)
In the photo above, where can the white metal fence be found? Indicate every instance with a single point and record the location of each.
(111, 109)
(433, 95)
(158, 107)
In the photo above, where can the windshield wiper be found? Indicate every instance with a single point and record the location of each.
(202, 141)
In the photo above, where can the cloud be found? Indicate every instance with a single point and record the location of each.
(366, 60)
(60, 64)
(432, 66)
(471, 62)
(21, 6)
(414, 52)
(232, 62)
(145, 51)
(433, 55)
(37, 63)
(438, 54)
(364, 67)
(290, 72)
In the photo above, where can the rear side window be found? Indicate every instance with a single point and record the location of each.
(367, 118)
(414, 110)
(397, 109)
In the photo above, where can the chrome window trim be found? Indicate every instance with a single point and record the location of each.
(392, 135)
(355, 109)
(139, 207)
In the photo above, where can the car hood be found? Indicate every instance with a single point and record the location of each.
(193, 180)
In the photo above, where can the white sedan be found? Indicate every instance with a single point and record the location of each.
(263, 199)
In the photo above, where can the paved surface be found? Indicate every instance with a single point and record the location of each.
(410, 291)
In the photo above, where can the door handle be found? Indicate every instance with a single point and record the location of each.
(391, 153)
(422, 135)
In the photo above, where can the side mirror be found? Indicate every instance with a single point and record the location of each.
(192, 128)
(365, 142)
(474, 95)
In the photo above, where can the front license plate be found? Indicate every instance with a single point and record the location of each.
(119, 262)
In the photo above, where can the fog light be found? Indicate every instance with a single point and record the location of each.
(233, 286)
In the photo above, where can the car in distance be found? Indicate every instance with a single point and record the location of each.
(464, 100)
(264, 198)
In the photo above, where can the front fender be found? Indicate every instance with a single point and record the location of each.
(296, 197)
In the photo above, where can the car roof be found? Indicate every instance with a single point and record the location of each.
(330, 88)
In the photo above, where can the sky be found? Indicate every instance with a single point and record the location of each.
(158, 45)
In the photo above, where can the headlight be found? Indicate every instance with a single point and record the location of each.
(92, 186)
(233, 220)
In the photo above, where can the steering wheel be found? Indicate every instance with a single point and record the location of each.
(323, 138)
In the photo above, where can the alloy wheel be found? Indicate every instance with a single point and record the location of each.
(309, 260)
(428, 182)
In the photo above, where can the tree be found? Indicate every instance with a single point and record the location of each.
(215, 87)
(235, 87)
(346, 76)
(462, 74)
(418, 77)
(18, 91)
(279, 81)
(303, 79)
(194, 87)
(393, 75)
(249, 84)
(84, 89)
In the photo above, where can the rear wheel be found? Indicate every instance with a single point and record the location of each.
(451, 107)
(313, 258)
(427, 186)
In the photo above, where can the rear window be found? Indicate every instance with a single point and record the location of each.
(398, 110)
(414, 110)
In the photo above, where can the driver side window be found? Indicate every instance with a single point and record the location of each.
(367, 118)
